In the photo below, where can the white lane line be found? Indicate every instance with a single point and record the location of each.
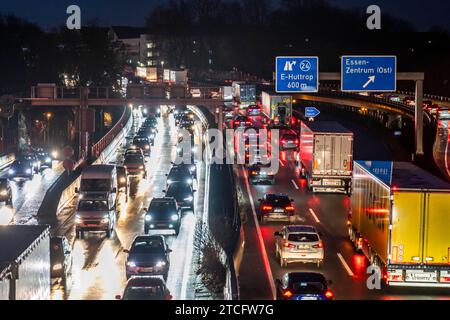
(349, 271)
(295, 185)
(281, 163)
(314, 215)
(261, 240)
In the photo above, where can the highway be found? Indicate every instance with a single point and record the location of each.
(99, 263)
(328, 213)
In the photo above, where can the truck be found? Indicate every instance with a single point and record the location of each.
(325, 157)
(277, 108)
(227, 93)
(244, 94)
(25, 262)
(399, 220)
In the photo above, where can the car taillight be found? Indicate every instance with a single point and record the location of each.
(287, 294)
(289, 208)
(319, 245)
(360, 242)
(329, 294)
(247, 122)
(288, 245)
(296, 141)
(254, 172)
(445, 279)
(267, 208)
(283, 140)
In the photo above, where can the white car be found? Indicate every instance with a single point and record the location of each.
(299, 243)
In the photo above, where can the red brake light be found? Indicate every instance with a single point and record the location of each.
(329, 294)
(319, 245)
(290, 208)
(267, 208)
(296, 141)
(288, 245)
(287, 294)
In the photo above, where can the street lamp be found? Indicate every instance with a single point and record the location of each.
(162, 64)
(48, 116)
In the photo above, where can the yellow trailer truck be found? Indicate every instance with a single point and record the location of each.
(400, 220)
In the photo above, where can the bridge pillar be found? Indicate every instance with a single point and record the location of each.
(419, 117)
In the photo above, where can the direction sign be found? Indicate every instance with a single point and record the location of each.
(369, 73)
(311, 112)
(297, 74)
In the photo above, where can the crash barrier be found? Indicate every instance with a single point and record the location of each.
(6, 160)
(125, 123)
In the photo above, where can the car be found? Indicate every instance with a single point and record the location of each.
(60, 257)
(145, 288)
(261, 173)
(253, 110)
(21, 168)
(183, 194)
(133, 150)
(179, 174)
(143, 143)
(187, 124)
(303, 286)
(32, 158)
(148, 255)
(5, 191)
(289, 140)
(45, 159)
(241, 122)
(276, 207)
(228, 112)
(163, 213)
(192, 167)
(186, 152)
(95, 212)
(135, 165)
(299, 243)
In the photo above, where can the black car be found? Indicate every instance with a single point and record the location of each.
(145, 288)
(189, 166)
(183, 194)
(179, 174)
(21, 169)
(163, 213)
(45, 159)
(143, 143)
(148, 255)
(33, 159)
(150, 133)
(303, 286)
(5, 191)
(261, 173)
(276, 207)
(60, 257)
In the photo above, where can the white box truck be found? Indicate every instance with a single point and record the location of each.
(277, 108)
(326, 156)
(25, 262)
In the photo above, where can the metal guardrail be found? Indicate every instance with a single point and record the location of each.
(109, 137)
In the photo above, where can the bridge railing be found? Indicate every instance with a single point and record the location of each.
(109, 137)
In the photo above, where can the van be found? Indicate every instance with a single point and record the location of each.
(99, 179)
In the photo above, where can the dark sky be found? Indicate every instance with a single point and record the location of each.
(423, 14)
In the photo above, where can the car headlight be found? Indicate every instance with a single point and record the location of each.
(122, 180)
(55, 154)
(4, 192)
(77, 219)
(179, 149)
(10, 171)
(57, 266)
(28, 171)
(148, 217)
(189, 199)
(169, 181)
(160, 264)
(147, 147)
(131, 264)
(48, 160)
(194, 149)
(141, 167)
(189, 181)
(174, 217)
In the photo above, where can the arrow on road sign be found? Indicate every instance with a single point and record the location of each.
(371, 79)
(311, 112)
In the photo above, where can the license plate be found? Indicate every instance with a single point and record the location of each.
(327, 182)
(161, 225)
(303, 246)
(420, 276)
(309, 298)
(279, 210)
(147, 269)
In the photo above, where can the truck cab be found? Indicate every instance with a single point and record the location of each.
(99, 179)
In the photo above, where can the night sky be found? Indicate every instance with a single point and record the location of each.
(423, 14)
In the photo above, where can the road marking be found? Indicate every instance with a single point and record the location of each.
(295, 185)
(314, 215)
(349, 271)
(261, 240)
(281, 163)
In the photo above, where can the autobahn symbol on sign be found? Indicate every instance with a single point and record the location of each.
(297, 74)
(368, 73)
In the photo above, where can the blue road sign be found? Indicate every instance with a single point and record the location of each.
(311, 112)
(369, 73)
(297, 74)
